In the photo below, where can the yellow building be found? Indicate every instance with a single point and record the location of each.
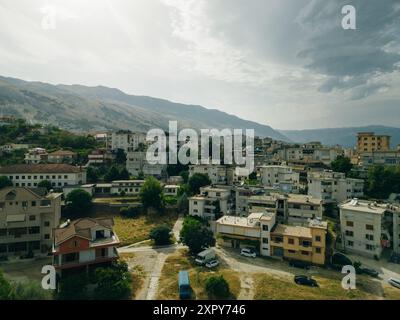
(369, 142)
(306, 244)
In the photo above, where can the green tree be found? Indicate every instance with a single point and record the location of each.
(5, 288)
(112, 174)
(183, 203)
(342, 164)
(120, 156)
(113, 283)
(124, 174)
(382, 181)
(45, 184)
(79, 202)
(5, 182)
(217, 287)
(73, 287)
(151, 194)
(92, 174)
(161, 235)
(29, 290)
(197, 181)
(130, 212)
(196, 235)
(184, 175)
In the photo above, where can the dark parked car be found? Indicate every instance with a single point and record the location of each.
(369, 271)
(305, 281)
(299, 264)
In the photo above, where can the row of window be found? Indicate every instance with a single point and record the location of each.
(350, 233)
(25, 204)
(367, 226)
(18, 232)
(368, 247)
(35, 177)
(29, 184)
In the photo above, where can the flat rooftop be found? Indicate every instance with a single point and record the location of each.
(364, 206)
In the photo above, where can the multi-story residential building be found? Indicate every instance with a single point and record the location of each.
(242, 195)
(310, 152)
(294, 209)
(269, 238)
(13, 146)
(368, 228)
(27, 218)
(29, 175)
(129, 187)
(171, 190)
(216, 173)
(332, 186)
(84, 244)
(236, 175)
(280, 177)
(369, 142)
(306, 244)
(61, 156)
(387, 158)
(137, 164)
(36, 155)
(127, 140)
(100, 156)
(210, 203)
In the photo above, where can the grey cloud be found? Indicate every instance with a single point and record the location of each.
(361, 54)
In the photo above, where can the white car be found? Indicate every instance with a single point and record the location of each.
(212, 263)
(394, 282)
(248, 253)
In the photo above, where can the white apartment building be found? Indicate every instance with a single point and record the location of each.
(136, 163)
(256, 227)
(311, 151)
(216, 173)
(13, 146)
(281, 177)
(388, 158)
(206, 204)
(129, 187)
(27, 219)
(362, 227)
(35, 156)
(171, 190)
(332, 186)
(294, 209)
(29, 175)
(127, 140)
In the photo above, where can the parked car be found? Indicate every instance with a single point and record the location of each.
(248, 252)
(212, 263)
(299, 264)
(394, 282)
(305, 281)
(369, 271)
(206, 255)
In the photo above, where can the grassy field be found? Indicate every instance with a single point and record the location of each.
(132, 230)
(137, 273)
(391, 293)
(168, 284)
(274, 288)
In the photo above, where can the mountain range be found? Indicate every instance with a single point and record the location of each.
(77, 107)
(84, 108)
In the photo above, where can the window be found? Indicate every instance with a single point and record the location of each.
(349, 233)
(33, 203)
(265, 227)
(369, 247)
(47, 223)
(32, 217)
(291, 251)
(317, 250)
(34, 230)
(369, 237)
(350, 243)
(318, 238)
(265, 240)
(291, 241)
(305, 253)
(350, 223)
(369, 227)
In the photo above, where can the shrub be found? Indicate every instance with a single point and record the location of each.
(217, 287)
(130, 212)
(161, 235)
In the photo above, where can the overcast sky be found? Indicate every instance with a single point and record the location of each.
(285, 63)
